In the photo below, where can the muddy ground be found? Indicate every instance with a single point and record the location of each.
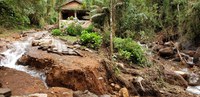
(67, 74)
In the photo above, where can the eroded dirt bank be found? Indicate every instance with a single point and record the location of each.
(74, 72)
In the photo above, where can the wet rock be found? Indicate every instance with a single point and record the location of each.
(2, 56)
(175, 79)
(123, 92)
(35, 62)
(5, 92)
(35, 43)
(86, 93)
(166, 52)
(194, 79)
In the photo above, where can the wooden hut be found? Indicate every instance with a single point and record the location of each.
(73, 9)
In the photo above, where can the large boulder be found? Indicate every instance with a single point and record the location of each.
(39, 63)
(73, 72)
(76, 79)
(166, 52)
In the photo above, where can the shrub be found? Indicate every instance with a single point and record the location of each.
(91, 40)
(74, 29)
(70, 18)
(56, 32)
(90, 28)
(129, 50)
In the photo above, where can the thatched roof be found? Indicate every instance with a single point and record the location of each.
(64, 5)
(69, 1)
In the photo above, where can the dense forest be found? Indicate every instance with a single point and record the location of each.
(133, 16)
(137, 41)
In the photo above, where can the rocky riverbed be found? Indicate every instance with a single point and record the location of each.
(37, 63)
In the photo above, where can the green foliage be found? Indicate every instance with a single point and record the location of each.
(89, 28)
(17, 13)
(74, 29)
(56, 32)
(190, 26)
(130, 51)
(70, 18)
(91, 40)
(9, 17)
(106, 38)
(136, 16)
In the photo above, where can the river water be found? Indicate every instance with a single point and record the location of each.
(18, 48)
(15, 51)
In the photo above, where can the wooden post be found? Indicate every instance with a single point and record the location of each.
(75, 13)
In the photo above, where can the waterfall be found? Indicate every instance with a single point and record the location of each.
(13, 54)
(15, 51)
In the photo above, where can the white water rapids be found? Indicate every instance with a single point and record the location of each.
(15, 51)
(18, 48)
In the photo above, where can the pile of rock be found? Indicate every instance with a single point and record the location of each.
(52, 45)
(171, 50)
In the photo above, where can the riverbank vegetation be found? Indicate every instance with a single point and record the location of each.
(134, 19)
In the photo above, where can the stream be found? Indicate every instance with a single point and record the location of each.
(15, 51)
(18, 48)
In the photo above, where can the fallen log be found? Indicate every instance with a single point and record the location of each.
(183, 61)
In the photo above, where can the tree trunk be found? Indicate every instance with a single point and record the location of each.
(112, 29)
